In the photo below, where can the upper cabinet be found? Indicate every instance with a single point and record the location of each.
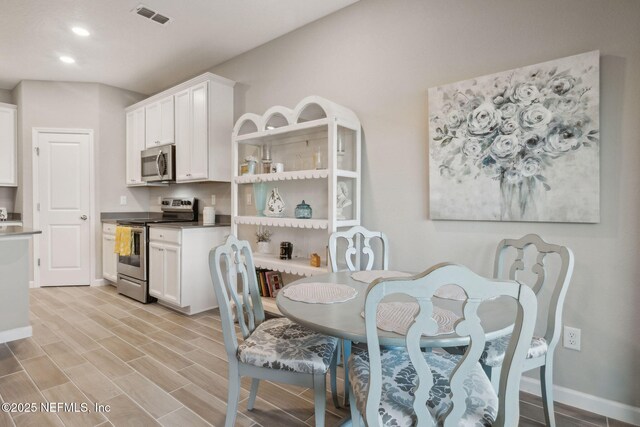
(196, 116)
(135, 144)
(8, 145)
(159, 119)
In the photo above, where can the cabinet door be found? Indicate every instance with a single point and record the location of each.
(200, 132)
(166, 121)
(8, 151)
(183, 135)
(109, 258)
(152, 119)
(135, 144)
(172, 273)
(156, 270)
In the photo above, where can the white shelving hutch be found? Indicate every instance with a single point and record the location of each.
(295, 137)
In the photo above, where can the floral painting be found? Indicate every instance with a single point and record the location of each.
(520, 145)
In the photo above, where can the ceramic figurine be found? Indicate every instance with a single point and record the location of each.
(275, 204)
(342, 199)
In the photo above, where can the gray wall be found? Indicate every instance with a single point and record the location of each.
(379, 58)
(79, 106)
(5, 96)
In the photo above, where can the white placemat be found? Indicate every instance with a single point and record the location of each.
(452, 292)
(371, 275)
(320, 293)
(398, 316)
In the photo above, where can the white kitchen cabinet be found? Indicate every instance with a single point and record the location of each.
(135, 144)
(192, 133)
(197, 116)
(179, 266)
(159, 121)
(8, 145)
(109, 258)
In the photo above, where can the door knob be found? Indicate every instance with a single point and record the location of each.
(83, 217)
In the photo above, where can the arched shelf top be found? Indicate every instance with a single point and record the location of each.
(248, 123)
(310, 109)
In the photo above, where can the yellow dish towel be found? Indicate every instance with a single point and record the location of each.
(123, 241)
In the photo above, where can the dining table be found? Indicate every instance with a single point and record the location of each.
(345, 319)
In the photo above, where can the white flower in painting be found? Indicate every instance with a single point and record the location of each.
(455, 119)
(505, 147)
(535, 117)
(529, 166)
(492, 170)
(561, 84)
(567, 104)
(524, 93)
(509, 110)
(483, 120)
(472, 148)
(562, 138)
(508, 127)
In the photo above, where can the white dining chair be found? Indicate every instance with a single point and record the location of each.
(275, 349)
(358, 249)
(405, 386)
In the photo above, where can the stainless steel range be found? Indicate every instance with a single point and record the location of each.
(132, 269)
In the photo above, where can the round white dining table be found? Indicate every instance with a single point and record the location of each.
(344, 320)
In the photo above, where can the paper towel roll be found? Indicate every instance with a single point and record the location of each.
(209, 215)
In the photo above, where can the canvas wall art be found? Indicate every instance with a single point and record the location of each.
(520, 145)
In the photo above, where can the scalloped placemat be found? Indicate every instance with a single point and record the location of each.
(320, 292)
(368, 276)
(398, 316)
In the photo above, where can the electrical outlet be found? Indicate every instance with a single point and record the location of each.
(249, 199)
(571, 338)
(123, 200)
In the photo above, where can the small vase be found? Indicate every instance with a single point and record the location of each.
(260, 197)
(263, 248)
(521, 201)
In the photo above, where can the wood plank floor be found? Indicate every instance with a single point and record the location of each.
(152, 367)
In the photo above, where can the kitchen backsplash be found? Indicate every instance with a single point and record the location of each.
(201, 191)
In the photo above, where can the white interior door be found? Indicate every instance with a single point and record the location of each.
(64, 177)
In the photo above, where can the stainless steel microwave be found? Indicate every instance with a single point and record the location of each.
(159, 163)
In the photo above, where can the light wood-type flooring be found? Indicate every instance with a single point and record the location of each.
(151, 366)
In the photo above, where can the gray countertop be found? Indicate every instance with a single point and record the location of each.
(198, 224)
(13, 230)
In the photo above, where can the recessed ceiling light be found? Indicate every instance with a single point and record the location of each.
(81, 31)
(67, 59)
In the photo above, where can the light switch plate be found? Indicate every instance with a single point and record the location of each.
(123, 200)
(213, 199)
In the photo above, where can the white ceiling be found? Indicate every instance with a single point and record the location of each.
(135, 53)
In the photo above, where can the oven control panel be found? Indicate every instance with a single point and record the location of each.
(178, 204)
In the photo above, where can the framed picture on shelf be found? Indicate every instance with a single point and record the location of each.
(274, 282)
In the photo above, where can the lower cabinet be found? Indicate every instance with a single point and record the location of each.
(179, 266)
(109, 257)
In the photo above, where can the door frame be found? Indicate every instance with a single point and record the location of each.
(35, 133)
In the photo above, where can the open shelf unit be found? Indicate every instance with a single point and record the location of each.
(318, 144)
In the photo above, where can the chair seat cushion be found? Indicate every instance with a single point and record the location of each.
(283, 344)
(494, 351)
(399, 381)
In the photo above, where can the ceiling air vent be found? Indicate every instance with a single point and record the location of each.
(144, 11)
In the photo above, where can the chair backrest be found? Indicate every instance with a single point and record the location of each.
(421, 288)
(233, 271)
(357, 250)
(558, 288)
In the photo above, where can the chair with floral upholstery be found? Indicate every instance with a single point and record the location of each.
(275, 349)
(540, 354)
(400, 386)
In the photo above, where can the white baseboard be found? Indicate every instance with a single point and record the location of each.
(100, 282)
(32, 284)
(577, 399)
(16, 334)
